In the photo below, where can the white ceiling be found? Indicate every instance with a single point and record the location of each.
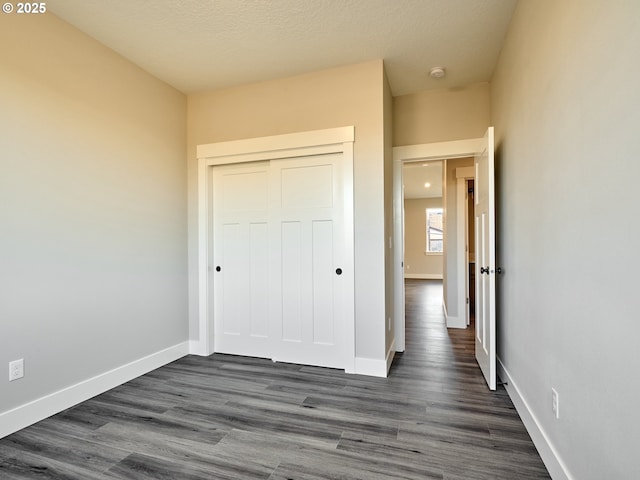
(198, 45)
(416, 174)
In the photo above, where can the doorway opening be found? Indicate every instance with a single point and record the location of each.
(436, 231)
(471, 258)
(482, 151)
(424, 246)
(451, 155)
(424, 234)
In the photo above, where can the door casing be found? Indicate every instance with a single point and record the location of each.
(409, 153)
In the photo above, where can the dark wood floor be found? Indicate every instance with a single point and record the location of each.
(225, 417)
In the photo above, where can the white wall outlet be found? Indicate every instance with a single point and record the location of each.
(16, 369)
(555, 403)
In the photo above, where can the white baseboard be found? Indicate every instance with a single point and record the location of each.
(361, 365)
(456, 322)
(390, 355)
(423, 276)
(20, 417)
(196, 347)
(557, 469)
(453, 322)
(371, 367)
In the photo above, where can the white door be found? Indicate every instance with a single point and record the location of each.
(308, 273)
(241, 259)
(279, 241)
(485, 261)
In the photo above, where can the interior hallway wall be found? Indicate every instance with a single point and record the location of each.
(452, 244)
(441, 115)
(388, 221)
(566, 107)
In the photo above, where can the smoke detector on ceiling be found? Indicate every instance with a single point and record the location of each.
(437, 72)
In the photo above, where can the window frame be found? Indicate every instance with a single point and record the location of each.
(429, 211)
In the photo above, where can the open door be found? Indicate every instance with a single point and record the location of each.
(485, 261)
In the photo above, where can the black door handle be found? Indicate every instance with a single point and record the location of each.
(486, 270)
(338, 271)
(218, 268)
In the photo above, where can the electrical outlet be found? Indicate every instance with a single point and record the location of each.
(555, 403)
(16, 370)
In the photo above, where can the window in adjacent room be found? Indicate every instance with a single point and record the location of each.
(434, 230)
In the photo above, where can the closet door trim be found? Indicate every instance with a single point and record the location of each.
(302, 144)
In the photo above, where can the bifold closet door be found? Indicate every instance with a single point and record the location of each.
(278, 248)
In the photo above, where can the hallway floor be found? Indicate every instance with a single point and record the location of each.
(225, 417)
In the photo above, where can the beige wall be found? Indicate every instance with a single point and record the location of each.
(352, 95)
(565, 103)
(388, 215)
(416, 263)
(92, 209)
(451, 240)
(441, 115)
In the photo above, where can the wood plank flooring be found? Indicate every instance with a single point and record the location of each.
(226, 417)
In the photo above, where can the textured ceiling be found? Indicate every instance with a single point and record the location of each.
(198, 45)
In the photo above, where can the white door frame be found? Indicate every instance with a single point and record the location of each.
(462, 175)
(317, 142)
(408, 153)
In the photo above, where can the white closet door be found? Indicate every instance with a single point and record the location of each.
(241, 259)
(308, 276)
(281, 273)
